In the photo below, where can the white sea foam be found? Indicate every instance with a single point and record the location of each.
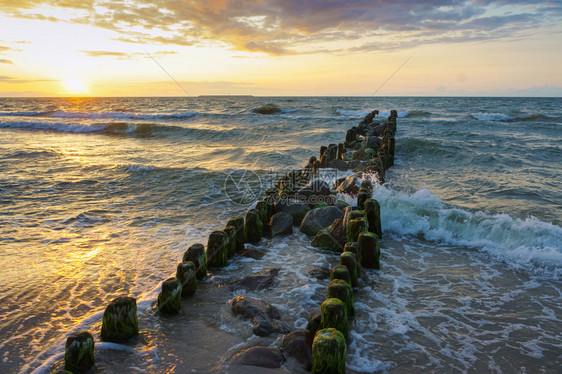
(482, 116)
(52, 126)
(519, 241)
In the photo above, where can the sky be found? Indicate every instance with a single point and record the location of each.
(280, 47)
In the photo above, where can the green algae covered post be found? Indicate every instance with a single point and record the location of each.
(328, 352)
(253, 227)
(185, 273)
(217, 249)
(373, 211)
(196, 254)
(349, 260)
(79, 352)
(340, 289)
(333, 313)
(120, 323)
(169, 298)
(370, 250)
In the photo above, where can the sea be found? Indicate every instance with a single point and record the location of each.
(100, 197)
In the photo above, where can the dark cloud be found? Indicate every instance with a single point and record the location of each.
(280, 27)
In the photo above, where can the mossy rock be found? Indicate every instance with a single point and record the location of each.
(349, 260)
(253, 227)
(238, 223)
(186, 274)
(329, 349)
(340, 272)
(353, 247)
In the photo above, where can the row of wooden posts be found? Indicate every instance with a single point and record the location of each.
(369, 143)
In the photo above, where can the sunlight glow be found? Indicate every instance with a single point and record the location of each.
(75, 86)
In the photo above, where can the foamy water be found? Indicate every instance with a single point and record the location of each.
(100, 197)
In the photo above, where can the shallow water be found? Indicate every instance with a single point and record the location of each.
(100, 197)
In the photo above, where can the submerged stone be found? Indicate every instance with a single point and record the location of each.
(320, 218)
(281, 224)
(265, 317)
(329, 349)
(258, 281)
(299, 345)
(265, 357)
(120, 323)
(79, 352)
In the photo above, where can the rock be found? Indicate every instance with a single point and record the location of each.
(377, 130)
(338, 164)
(264, 357)
(367, 186)
(217, 249)
(120, 323)
(295, 208)
(313, 192)
(79, 352)
(253, 227)
(281, 224)
(257, 281)
(371, 142)
(318, 272)
(169, 298)
(329, 349)
(314, 323)
(325, 240)
(318, 219)
(370, 250)
(340, 204)
(263, 315)
(360, 154)
(349, 185)
(254, 253)
(196, 254)
(238, 223)
(267, 109)
(373, 211)
(299, 345)
(185, 273)
(340, 289)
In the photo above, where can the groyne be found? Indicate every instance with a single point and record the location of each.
(299, 198)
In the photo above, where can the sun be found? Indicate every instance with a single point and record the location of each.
(75, 86)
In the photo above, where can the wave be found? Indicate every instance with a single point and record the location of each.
(102, 115)
(118, 128)
(483, 116)
(526, 243)
(383, 114)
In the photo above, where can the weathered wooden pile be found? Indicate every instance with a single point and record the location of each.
(299, 198)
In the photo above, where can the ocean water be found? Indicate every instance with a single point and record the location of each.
(100, 197)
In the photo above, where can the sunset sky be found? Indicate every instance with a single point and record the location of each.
(280, 47)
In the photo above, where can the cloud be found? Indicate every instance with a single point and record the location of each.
(281, 27)
(126, 55)
(5, 61)
(8, 79)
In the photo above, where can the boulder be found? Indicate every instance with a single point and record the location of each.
(349, 185)
(265, 318)
(281, 224)
(371, 142)
(299, 345)
(257, 281)
(318, 272)
(294, 207)
(312, 192)
(318, 219)
(338, 164)
(267, 109)
(325, 240)
(254, 253)
(264, 357)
